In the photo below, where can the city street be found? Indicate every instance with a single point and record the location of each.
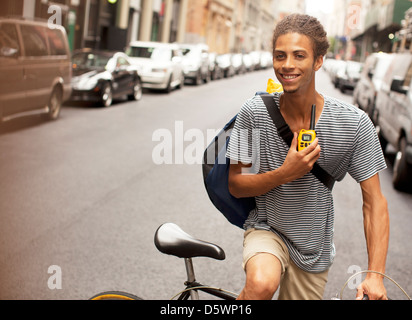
(81, 198)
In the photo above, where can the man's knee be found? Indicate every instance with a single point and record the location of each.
(261, 287)
(263, 274)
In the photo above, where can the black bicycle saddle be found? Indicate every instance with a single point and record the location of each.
(171, 239)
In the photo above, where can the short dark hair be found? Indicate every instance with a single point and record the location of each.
(305, 25)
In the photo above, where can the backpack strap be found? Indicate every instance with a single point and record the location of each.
(287, 135)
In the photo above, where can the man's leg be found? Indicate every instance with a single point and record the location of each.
(265, 258)
(300, 285)
(263, 272)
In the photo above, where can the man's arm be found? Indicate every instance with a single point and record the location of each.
(376, 227)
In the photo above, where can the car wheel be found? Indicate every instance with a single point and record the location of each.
(207, 77)
(137, 91)
(169, 85)
(402, 171)
(182, 81)
(55, 104)
(198, 80)
(107, 95)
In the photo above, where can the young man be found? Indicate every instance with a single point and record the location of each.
(289, 236)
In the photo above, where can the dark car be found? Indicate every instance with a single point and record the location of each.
(394, 117)
(101, 76)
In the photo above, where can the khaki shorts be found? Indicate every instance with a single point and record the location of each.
(295, 284)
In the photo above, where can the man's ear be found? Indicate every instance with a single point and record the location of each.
(318, 63)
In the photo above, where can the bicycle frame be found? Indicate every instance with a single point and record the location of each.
(192, 286)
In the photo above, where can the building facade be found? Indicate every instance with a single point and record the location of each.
(224, 25)
(358, 28)
(107, 24)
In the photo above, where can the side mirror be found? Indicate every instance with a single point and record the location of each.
(397, 86)
(8, 52)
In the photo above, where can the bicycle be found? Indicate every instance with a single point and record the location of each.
(172, 240)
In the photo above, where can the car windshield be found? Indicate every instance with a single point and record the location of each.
(153, 53)
(190, 52)
(88, 60)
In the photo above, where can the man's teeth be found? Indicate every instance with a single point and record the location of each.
(290, 77)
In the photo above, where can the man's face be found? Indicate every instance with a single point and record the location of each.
(294, 62)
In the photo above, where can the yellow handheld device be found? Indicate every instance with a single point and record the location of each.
(306, 137)
(273, 86)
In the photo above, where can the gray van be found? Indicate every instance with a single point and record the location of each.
(394, 117)
(35, 68)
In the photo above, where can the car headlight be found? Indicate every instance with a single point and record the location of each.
(84, 84)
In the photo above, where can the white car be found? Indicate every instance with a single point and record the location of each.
(196, 62)
(160, 64)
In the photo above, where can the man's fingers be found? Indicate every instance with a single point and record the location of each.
(359, 294)
(294, 144)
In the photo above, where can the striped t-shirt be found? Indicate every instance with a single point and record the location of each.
(301, 212)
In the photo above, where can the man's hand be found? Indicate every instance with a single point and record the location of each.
(373, 287)
(298, 163)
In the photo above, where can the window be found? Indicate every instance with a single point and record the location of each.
(56, 42)
(34, 39)
(9, 44)
(122, 62)
(155, 53)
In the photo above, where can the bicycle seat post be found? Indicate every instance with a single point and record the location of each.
(191, 277)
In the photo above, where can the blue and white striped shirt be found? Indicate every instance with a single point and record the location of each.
(301, 212)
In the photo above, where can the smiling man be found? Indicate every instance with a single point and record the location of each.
(288, 240)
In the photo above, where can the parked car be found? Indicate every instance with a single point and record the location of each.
(35, 69)
(370, 82)
(333, 66)
(247, 62)
(225, 64)
(255, 56)
(266, 60)
(394, 117)
(196, 62)
(160, 64)
(237, 62)
(214, 68)
(348, 75)
(101, 76)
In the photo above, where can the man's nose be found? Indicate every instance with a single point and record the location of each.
(288, 63)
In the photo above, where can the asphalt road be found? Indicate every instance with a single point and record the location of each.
(81, 198)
